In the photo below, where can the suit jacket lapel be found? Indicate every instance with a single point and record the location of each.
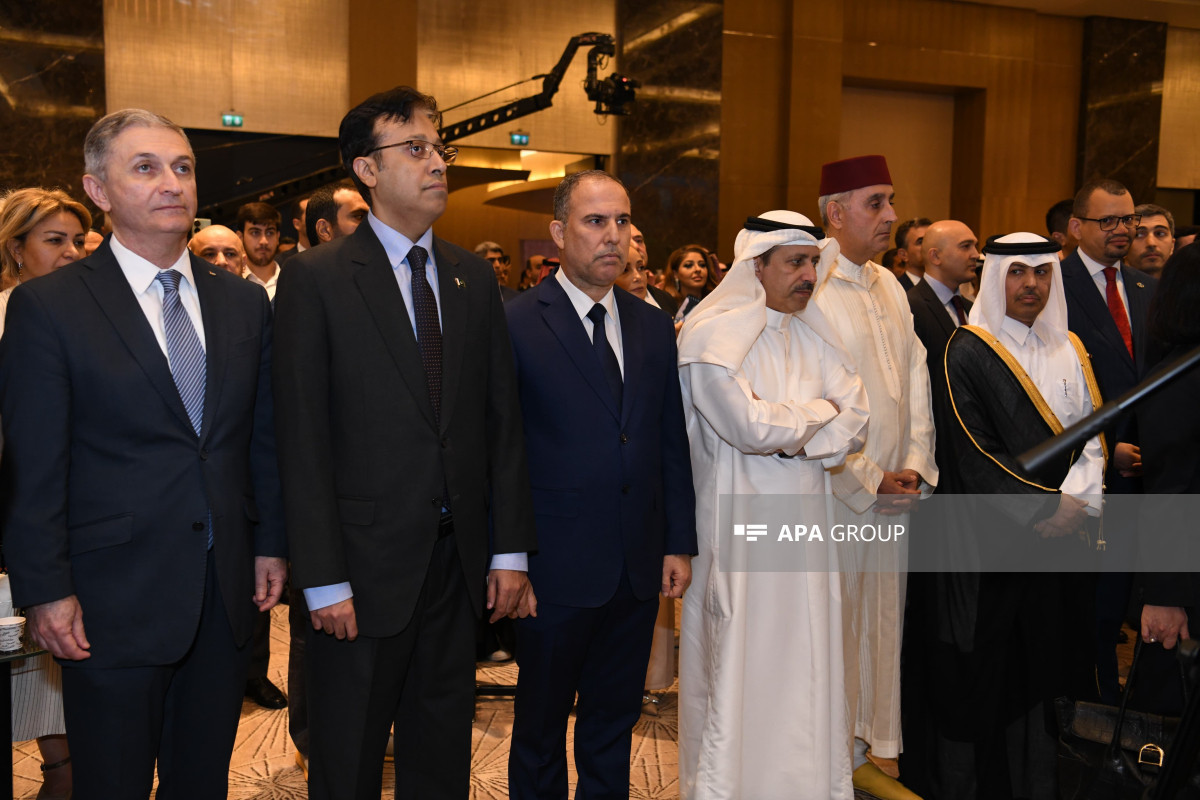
(560, 315)
(936, 308)
(212, 309)
(1079, 283)
(452, 288)
(1139, 295)
(107, 283)
(376, 282)
(632, 342)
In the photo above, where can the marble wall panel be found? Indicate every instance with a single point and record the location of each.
(51, 90)
(1121, 105)
(669, 148)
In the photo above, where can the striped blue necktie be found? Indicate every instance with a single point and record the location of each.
(184, 351)
(186, 357)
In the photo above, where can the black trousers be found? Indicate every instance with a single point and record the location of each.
(299, 628)
(601, 654)
(422, 680)
(184, 716)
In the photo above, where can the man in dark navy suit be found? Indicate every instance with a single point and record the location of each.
(612, 496)
(142, 512)
(1107, 303)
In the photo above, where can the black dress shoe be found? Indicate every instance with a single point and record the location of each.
(265, 693)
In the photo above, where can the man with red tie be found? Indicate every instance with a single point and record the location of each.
(1107, 302)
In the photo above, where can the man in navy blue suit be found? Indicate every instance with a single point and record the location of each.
(612, 496)
(1107, 304)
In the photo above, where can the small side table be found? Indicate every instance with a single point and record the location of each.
(28, 650)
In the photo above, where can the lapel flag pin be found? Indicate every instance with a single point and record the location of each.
(460, 283)
(1141, 285)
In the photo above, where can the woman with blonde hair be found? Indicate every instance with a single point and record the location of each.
(40, 231)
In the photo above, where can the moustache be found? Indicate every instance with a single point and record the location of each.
(806, 286)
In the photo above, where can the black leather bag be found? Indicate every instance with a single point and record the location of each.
(1107, 753)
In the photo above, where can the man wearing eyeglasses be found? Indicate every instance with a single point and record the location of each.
(494, 254)
(1107, 301)
(403, 462)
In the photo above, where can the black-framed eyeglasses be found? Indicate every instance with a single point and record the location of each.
(1110, 223)
(419, 148)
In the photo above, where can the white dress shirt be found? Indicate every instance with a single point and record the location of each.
(1096, 270)
(269, 284)
(583, 304)
(142, 277)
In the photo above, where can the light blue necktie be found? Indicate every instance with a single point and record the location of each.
(185, 355)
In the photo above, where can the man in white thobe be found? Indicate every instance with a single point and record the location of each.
(772, 401)
(871, 314)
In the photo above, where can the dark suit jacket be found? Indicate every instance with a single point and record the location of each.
(905, 281)
(665, 301)
(507, 293)
(1089, 319)
(361, 459)
(934, 328)
(107, 488)
(610, 490)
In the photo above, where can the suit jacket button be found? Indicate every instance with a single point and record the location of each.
(624, 439)
(436, 501)
(625, 489)
(204, 455)
(198, 526)
(445, 442)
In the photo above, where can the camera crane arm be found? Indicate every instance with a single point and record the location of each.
(610, 94)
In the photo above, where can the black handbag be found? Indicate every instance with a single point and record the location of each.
(1107, 753)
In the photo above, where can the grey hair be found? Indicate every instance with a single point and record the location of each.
(562, 195)
(100, 138)
(482, 248)
(826, 199)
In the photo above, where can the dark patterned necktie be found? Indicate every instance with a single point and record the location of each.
(604, 352)
(429, 332)
(957, 302)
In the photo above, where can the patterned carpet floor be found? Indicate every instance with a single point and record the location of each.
(264, 761)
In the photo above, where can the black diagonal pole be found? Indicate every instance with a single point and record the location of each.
(1035, 460)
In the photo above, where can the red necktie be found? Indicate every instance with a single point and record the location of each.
(957, 302)
(1117, 308)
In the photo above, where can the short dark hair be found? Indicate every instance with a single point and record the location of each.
(1172, 317)
(889, 258)
(356, 135)
(322, 204)
(562, 195)
(257, 214)
(908, 225)
(1152, 210)
(1079, 208)
(1058, 216)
